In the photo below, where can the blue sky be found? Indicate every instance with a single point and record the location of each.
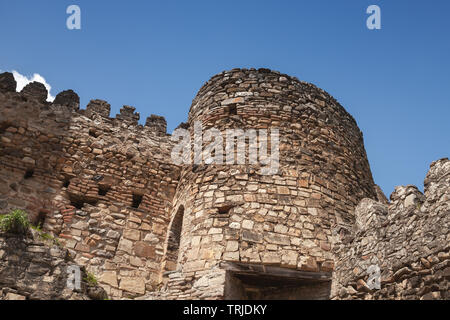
(155, 55)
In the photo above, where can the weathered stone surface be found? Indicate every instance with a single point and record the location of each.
(406, 240)
(35, 90)
(128, 114)
(156, 124)
(13, 296)
(99, 107)
(68, 98)
(125, 245)
(110, 278)
(133, 284)
(144, 250)
(96, 293)
(39, 274)
(7, 82)
(370, 213)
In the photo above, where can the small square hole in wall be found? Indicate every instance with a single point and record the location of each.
(77, 204)
(66, 183)
(224, 210)
(28, 174)
(93, 133)
(137, 199)
(79, 201)
(103, 190)
(232, 109)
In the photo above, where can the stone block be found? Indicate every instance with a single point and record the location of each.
(109, 277)
(13, 296)
(142, 249)
(133, 284)
(132, 234)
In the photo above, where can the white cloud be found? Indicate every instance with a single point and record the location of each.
(22, 81)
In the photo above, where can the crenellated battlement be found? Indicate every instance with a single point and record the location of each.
(103, 186)
(96, 108)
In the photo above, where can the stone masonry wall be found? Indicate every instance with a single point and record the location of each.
(408, 239)
(150, 229)
(102, 185)
(35, 269)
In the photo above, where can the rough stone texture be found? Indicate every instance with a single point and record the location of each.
(98, 107)
(109, 191)
(35, 90)
(34, 270)
(408, 239)
(7, 82)
(380, 195)
(67, 98)
(157, 124)
(128, 114)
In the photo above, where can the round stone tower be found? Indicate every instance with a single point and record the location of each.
(243, 213)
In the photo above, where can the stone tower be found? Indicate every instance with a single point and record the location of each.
(238, 233)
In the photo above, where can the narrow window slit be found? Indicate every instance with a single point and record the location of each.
(137, 199)
(224, 209)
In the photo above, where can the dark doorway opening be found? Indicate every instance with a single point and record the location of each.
(260, 282)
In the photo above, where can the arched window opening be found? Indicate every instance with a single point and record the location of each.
(173, 241)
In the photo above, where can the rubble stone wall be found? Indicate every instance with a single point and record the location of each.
(31, 269)
(408, 239)
(108, 189)
(102, 185)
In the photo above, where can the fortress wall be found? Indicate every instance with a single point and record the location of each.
(86, 172)
(407, 239)
(234, 213)
(33, 269)
(108, 189)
